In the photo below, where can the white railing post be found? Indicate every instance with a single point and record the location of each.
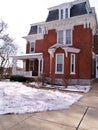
(39, 66)
(14, 62)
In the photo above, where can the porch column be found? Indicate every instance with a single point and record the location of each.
(24, 65)
(14, 63)
(39, 66)
(42, 66)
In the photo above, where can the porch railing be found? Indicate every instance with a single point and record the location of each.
(22, 73)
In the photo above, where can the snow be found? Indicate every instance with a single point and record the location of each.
(17, 98)
(75, 88)
(79, 88)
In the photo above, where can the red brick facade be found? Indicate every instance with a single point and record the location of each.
(81, 39)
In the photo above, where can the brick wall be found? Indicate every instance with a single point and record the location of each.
(82, 39)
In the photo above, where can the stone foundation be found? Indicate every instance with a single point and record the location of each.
(58, 81)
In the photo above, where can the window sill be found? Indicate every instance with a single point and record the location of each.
(73, 73)
(59, 72)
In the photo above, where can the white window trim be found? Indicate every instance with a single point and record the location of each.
(30, 47)
(64, 37)
(74, 72)
(38, 28)
(62, 64)
(64, 10)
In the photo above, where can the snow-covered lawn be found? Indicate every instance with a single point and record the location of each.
(18, 98)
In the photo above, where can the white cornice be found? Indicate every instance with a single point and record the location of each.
(86, 20)
(68, 23)
(33, 37)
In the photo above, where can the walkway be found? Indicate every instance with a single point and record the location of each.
(83, 115)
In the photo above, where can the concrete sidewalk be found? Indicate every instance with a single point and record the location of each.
(83, 115)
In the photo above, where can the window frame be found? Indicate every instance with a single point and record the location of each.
(64, 13)
(69, 37)
(64, 37)
(31, 47)
(39, 30)
(56, 71)
(73, 64)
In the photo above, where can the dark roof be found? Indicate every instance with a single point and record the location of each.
(33, 30)
(53, 15)
(78, 9)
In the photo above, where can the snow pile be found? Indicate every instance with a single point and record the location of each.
(79, 88)
(17, 98)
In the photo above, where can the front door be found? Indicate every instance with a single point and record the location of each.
(96, 68)
(34, 67)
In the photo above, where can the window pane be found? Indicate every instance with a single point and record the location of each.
(40, 30)
(59, 62)
(66, 13)
(68, 36)
(32, 46)
(60, 36)
(72, 59)
(59, 67)
(72, 63)
(68, 32)
(62, 13)
(59, 59)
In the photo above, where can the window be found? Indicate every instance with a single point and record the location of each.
(32, 47)
(72, 64)
(32, 65)
(61, 36)
(39, 30)
(64, 13)
(68, 36)
(59, 63)
(65, 37)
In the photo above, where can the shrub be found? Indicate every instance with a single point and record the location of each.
(18, 78)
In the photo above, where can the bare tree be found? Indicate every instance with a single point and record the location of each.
(7, 48)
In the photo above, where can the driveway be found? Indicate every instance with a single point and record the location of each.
(83, 115)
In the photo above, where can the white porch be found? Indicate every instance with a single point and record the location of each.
(24, 57)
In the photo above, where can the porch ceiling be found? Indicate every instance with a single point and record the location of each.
(29, 56)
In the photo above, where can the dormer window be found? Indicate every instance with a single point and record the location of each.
(64, 13)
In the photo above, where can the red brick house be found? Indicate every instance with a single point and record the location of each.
(66, 43)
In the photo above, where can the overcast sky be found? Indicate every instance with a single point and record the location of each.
(19, 14)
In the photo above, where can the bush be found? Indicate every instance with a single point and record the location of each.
(18, 78)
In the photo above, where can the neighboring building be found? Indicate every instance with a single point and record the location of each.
(66, 43)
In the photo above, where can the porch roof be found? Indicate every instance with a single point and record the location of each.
(29, 56)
